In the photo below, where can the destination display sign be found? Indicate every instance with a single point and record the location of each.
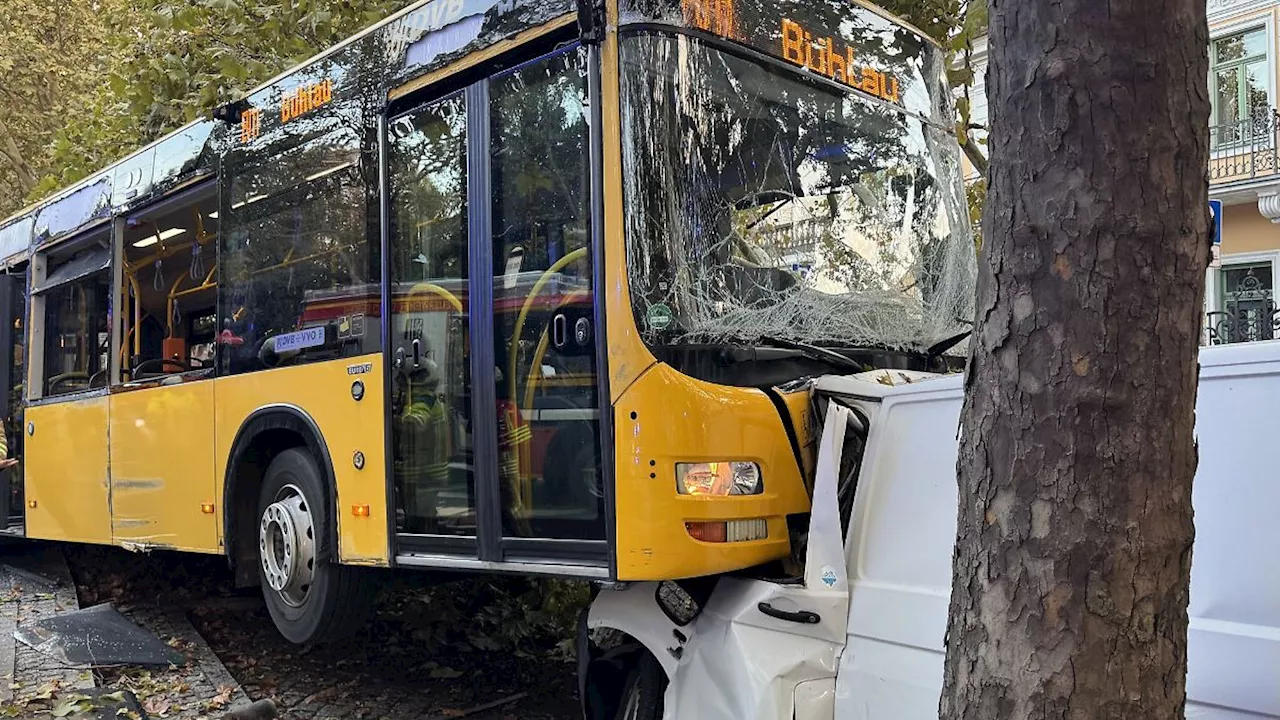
(839, 40)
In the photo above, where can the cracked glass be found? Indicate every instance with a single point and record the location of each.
(764, 203)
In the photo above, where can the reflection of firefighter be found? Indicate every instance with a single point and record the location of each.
(425, 431)
(513, 443)
(10, 478)
(708, 479)
(7, 462)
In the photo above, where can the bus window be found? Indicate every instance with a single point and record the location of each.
(431, 402)
(544, 302)
(170, 275)
(299, 276)
(77, 341)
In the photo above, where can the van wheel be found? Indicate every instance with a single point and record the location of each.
(642, 689)
(310, 600)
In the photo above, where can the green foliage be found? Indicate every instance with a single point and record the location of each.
(167, 62)
(83, 82)
(976, 194)
(51, 62)
(524, 616)
(955, 25)
(196, 54)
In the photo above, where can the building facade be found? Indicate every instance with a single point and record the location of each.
(1244, 170)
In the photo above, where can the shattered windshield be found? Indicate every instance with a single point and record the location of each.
(764, 204)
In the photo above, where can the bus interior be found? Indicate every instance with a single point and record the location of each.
(169, 279)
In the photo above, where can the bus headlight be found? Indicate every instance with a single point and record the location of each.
(719, 478)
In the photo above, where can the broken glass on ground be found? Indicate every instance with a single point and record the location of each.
(97, 637)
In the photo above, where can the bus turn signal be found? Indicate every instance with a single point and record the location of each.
(731, 531)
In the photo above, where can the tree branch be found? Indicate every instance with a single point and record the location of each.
(10, 151)
(976, 157)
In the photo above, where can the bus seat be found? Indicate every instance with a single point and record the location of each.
(175, 348)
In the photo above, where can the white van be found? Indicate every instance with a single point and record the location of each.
(860, 635)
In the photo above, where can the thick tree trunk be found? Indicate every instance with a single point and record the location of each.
(1073, 552)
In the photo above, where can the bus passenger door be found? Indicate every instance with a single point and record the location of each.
(551, 480)
(162, 467)
(494, 350)
(162, 415)
(65, 448)
(13, 294)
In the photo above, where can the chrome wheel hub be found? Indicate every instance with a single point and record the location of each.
(287, 546)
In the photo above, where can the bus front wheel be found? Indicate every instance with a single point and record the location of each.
(310, 600)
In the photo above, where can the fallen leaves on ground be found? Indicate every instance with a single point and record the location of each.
(157, 705)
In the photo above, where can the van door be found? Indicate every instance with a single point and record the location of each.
(900, 540)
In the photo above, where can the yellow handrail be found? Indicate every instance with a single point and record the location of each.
(436, 289)
(524, 313)
(525, 489)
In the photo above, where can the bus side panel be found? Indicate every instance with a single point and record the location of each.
(66, 472)
(162, 467)
(666, 418)
(323, 392)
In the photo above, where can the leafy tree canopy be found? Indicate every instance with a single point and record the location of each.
(82, 82)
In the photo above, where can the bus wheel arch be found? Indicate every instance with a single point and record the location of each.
(280, 485)
(263, 436)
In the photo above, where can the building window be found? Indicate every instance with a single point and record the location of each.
(1239, 88)
(1246, 298)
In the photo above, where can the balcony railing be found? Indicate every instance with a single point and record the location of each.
(1225, 328)
(1244, 150)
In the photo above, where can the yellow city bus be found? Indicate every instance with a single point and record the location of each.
(528, 286)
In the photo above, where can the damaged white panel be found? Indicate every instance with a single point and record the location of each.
(764, 650)
(634, 610)
(742, 664)
(825, 561)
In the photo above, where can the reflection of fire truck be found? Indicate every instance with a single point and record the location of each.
(543, 375)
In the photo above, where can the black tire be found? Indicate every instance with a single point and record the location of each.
(642, 689)
(340, 599)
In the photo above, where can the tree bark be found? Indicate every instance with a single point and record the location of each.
(1073, 548)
